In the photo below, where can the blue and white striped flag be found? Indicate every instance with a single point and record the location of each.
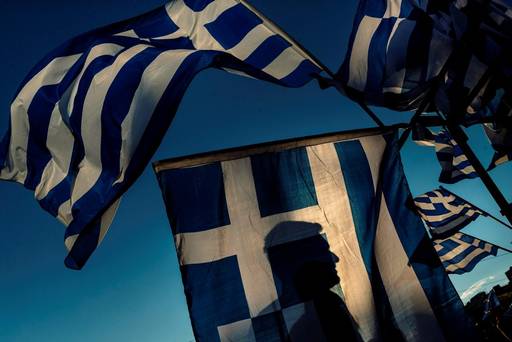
(309, 242)
(460, 253)
(455, 166)
(444, 212)
(90, 115)
(396, 48)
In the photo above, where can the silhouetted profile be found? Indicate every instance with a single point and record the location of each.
(304, 271)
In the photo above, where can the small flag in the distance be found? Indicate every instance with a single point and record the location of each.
(460, 252)
(455, 166)
(444, 212)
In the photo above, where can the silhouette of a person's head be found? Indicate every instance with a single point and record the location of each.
(304, 271)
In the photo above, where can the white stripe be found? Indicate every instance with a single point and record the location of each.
(464, 262)
(107, 218)
(410, 305)
(341, 233)
(192, 23)
(251, 42)
(60, 139)
(129, 34)
(60, 144)
(393, 9)
(97, 51)
(91, 166)
(16, 163)
(284, 64)
(154, 82)
(106, 221)
(359, 55)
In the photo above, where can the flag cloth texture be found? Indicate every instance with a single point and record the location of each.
(396, 48)
(89, 116)
(306, 240)
(460, 252)
(444, 212)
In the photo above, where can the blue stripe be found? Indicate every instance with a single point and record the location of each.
(62, 192)
(441, 294)
(4, 146)
(267, 52)
(233, 25)
(301, 75)
(115, 108)
(197, 5)
(377, 55)
(157, 126)
(39, 115)
(359, 184)
(358, 180)
(155, 24)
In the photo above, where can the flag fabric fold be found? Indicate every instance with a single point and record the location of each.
(455, 166)
(444, 212)
(89, 116)
(306, 241)
(396, 49)
(460, 253)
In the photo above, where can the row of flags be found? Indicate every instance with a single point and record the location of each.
(453, 55)
(89, 116)
(299, 243)
(445, 215)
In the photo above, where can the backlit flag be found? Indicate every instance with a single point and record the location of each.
(444, 212)
(455, 166)
(460, 252)
(396, 49)
(306, 240)
(90, 115)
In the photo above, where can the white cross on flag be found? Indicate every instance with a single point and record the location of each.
(306, 240)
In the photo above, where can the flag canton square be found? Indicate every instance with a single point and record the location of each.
(195, 198)
(283, 181)
(215, 296)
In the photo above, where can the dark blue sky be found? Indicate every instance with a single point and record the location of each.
(131, 290)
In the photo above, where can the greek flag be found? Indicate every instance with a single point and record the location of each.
(455, 166)
(444, 212)
(460, 252)
(308, 240)
(90, 115)
(396, 49)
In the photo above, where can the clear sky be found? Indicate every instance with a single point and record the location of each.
(131, 290)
